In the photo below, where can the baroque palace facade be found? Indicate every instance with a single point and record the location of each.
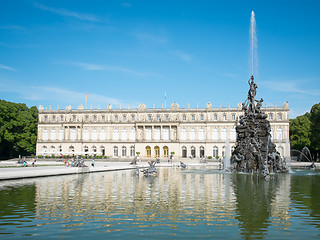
(152, 132)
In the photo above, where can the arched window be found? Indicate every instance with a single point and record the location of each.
(124, 151)
(102, 134)
(85, 149)
(193, 134)
(281, 151)
(165, 151)
(184, 152)
(201, 134)
(94, 134)
(215, 152)
(44, 149)
(86, 134)
(223, 151)
(45, 135)
(115, 134)
(53, 149)
(60, 149)
(61, 134)
(148, 151)
(201, 151)
(124, 134)
(224, 134)
(193, 151)
(233, 134)
(133, 134)
(132, 151)
(184, 134)
(215, 134)
(94, 149)
(53, 134)
(280, 134)
(71, 149)
(103, 150)
(115, 151)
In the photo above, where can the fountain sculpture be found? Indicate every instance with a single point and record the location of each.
(255, 151)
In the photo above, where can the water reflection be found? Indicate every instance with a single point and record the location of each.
(198, 202)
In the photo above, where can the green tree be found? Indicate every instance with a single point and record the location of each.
(315, 130)
(18, 129)
(300, 132)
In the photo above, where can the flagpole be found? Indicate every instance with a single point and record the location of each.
(86, 100)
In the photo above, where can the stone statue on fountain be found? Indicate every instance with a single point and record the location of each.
(255, 151)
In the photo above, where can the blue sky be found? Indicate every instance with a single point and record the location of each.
(130, 52)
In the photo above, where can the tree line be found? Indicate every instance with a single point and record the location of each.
(18, 129)
(305, 132)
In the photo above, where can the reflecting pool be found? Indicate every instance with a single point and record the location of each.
(193, 203)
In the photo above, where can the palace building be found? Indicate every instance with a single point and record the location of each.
(150, 132)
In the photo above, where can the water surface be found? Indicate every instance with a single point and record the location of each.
(182, 204)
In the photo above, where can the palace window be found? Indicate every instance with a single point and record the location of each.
(53, 134)
(94, 135)
(167, 117)
(74, 118)
(86, 118)
(132, 118)
(201, 134)
(45, 118)
(102, 134)
(215, 117)
(61, 118)
(124, 151)
(115, 134)
(224, 117)
(94, 118)
(193, 117)
(215, 152)
(280, 116)
(233, 117)
(94, 149)
(184, 117)
(124, 117)
(201, 117)
(115, 151)
(184, 134)
(53, 118)
(149, 117)
(224, 134)
(61, 134)
(215, 134)
(158, 118)
(133, 134)
(116, 118)
(132, 151)
(271, 116)
(280, 134)
(124, 134)
(193, 134)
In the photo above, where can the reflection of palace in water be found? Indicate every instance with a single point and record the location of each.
(174, 195)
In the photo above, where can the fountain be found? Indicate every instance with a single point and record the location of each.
(254, 151)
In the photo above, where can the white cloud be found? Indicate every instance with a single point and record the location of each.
(98, 67)
(184, 56)
(149, 38)
(293, 86)
(67, 13)
(7, 68)
(55, 95)
(126, 4)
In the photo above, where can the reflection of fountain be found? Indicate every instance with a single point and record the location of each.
(254, 150)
